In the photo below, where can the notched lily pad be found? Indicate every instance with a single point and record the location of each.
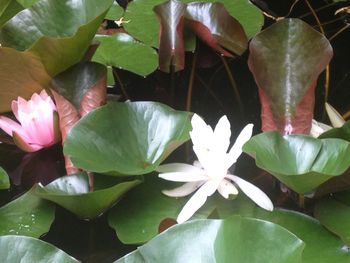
(28, 249)
(72, 192)
(231, 240)
(129, 138)
(301, 162)
(27, 215)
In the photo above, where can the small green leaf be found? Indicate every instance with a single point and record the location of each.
(341, 133)
(233, 240)
(72, 193)
(127, 138)
(28, 249)
(301, 162)
(123, 51)
(4, 179)
(27, 215)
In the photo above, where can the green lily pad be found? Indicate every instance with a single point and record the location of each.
(8, 8)
(129, 138)
(115, 12)
(57, 31)
(27, 249)
(137, 218)
(144, 24)
(230, 240)
(27, 215)
(123, 51)
(4, 179)
(301, 162)
(334, 214)
(341, 133)
(72, 193)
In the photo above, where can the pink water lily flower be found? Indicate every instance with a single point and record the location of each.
(210, 172)
(38, 122)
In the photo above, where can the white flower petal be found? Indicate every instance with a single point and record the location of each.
(226, 188)
(253, 192)
(183, 190)
(222, 134)
(242, 138)
(317, 128)
(196, 201)
(183, 177)
(201, 134)
(334, 116)
(179, 167)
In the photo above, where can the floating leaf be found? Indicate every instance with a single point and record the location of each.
(230, 240)
(57, 31)
(27, 215)
(301, 162)
(8, 8)
(4, 179)
(137, 218)
(341, 133)
(28, 249)
(127, 138)
(321, 245)
(123, 51)
(145, 27)
(334, 214)
(115, 12)
(20, 79)
(286, 59)
(72, 192)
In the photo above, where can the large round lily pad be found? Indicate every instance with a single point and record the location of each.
(233, 240)
(23, 249)
(129, 138)
(301, 162)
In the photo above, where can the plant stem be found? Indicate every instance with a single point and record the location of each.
(116, 75)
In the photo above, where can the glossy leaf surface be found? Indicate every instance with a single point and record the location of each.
(341, 133)
(334, 214)
(286, 60)
(145, 27)
(123, 51)
(137, 218)
(301, 162)
(28, 215)
(57, 31)
(321, 245)
(28, 249)
(4, 179)
(127, 138)
(230, 240)
(72, 192)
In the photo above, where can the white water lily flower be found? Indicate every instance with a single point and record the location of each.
(210, 172)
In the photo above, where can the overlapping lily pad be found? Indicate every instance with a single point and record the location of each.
(115, 12)
(54, 34)
(137, 218)
(123, 51)
(301, 162)
(341, 133)
(4, 179)
(231, 240)
(129, 138)
(144, 24)
(334, 214)
(27, 215)
(28, 249)
(73, 193)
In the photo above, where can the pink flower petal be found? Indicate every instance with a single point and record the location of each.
(9, 126)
